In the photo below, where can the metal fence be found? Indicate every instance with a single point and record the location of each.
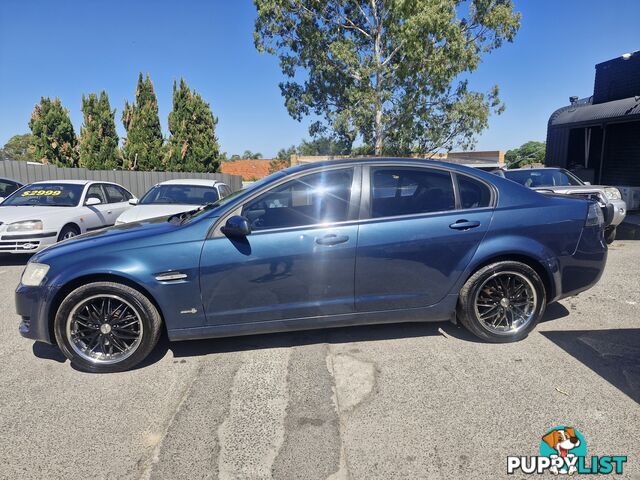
(136, 182)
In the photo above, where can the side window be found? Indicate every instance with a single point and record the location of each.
(317, 198)
(114, 194)
(473, 194)
(408, 191)
(7, 188)
(97, 192)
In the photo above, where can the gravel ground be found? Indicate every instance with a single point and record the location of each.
(390, 401)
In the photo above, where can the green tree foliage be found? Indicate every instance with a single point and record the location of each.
(98, 137)
(324, 145)
(193, 146)
(143, 147)
(53, 140)
(390, 72)
(527, 153)
(19, 147)
(248, 154)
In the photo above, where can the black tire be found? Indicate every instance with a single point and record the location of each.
(609, 235)
(68, 231)
(467, 312)
(149, 324)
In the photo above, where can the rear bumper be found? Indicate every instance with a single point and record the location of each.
(619, 211)
(582, 270)
(26, 242)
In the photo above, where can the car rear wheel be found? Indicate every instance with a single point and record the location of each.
(502, 302)
(106, 327)
(69, 231)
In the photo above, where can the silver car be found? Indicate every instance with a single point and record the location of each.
(561, 181)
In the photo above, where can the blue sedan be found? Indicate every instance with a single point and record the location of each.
(322, 245)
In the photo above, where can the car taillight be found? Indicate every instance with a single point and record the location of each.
(594, 216)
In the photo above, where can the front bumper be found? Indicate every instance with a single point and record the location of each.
(26, 242)
(32, 304)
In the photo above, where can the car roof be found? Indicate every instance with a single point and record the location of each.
(192, 181)
(66, 182)
(534, 168)
(388, 161)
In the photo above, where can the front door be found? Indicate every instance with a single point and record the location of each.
(299, 260)
(419, 237)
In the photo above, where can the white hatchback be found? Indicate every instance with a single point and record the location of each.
(173, 197)
(43, 213)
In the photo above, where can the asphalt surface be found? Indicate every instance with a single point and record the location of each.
(392, 401)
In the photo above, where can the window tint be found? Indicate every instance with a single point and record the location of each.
(125, 193)
(406, 191)
(114, 194)
(317, 198)
(473, 194)
(96, 191)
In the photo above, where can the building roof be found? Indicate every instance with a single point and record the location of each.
(248, 169)
(585, 112)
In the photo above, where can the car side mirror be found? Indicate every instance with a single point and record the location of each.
(133, 201)
(91, 201)
(587, 183)
(236, 226)
(1, 199)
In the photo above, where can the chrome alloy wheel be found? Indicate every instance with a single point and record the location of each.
(69, 234)
(506, 302)
(104, 329)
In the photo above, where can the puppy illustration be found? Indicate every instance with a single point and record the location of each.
(562, 441)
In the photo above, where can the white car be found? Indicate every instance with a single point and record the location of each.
(175, 196)
(43, 213)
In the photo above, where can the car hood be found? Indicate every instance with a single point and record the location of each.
(10, 214)
(143, 212)
(108, 237)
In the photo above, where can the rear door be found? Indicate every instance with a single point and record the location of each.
(420, 233)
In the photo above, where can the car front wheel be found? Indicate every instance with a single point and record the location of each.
(106, 327)
(502, 302)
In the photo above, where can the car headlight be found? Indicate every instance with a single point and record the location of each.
(25, 226)
(34, 274)
(612, 193)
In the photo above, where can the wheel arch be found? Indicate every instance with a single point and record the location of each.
(529, 260)
(91, 278)
(71, 224)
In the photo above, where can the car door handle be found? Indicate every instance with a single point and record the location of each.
(464, 224)
(332, 239)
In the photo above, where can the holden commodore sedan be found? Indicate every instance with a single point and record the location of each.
(43, 213)
(321, 245)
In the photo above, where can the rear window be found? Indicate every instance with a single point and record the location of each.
(180, 194)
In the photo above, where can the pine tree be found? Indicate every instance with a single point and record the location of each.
(193, 146)
(98, 137)
(54, 140)
(142, 149)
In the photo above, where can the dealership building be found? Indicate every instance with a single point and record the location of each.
(599, 137)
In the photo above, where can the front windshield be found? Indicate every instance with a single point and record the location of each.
(543, 178)
(180, 194)
(46, 195)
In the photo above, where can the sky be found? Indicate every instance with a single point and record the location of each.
(69, 48)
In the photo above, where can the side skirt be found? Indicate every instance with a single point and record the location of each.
(435, 313)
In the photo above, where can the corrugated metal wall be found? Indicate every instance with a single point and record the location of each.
(136, 182)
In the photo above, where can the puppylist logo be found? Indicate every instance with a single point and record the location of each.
(563, 450)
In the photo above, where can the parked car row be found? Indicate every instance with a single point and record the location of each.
(558, 181)
(314, 246)
(38, 215)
